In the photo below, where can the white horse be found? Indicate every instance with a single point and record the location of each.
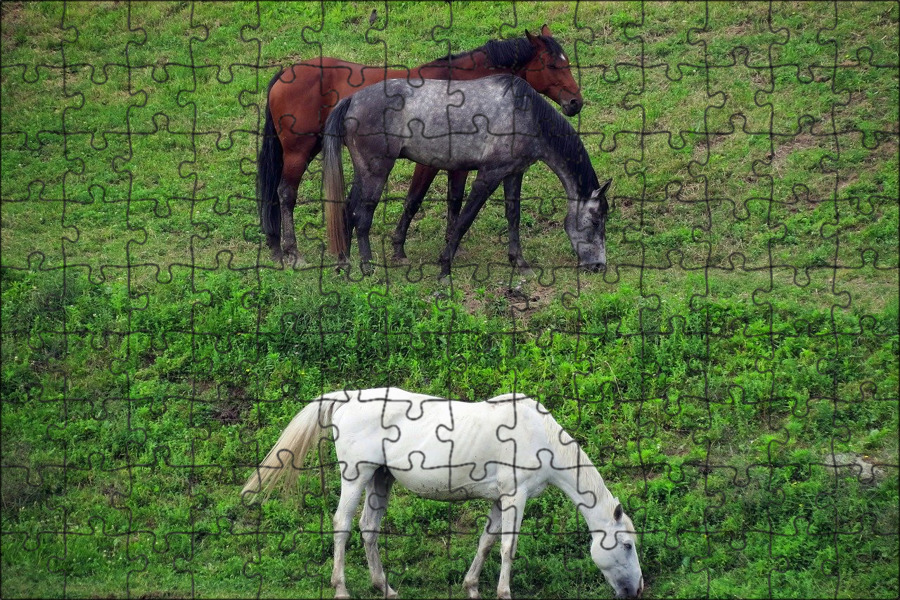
(507, 449)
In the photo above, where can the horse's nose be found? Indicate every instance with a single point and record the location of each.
(573, 106)
(628, 592)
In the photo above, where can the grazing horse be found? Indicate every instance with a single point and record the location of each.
(496, 125)
(301, 97)
(505, 450)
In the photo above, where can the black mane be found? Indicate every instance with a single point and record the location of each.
(559, 133)
(513, 54)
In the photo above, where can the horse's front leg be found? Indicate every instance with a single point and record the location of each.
(482, 188)
(512, 191)
(511, 520)
(488, 538)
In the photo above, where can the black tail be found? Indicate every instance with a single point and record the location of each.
(269, 164)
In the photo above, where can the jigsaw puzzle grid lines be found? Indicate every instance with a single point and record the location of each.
(209, 252)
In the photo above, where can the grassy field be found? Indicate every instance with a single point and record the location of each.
(745, 331)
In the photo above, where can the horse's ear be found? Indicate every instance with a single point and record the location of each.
(618, 512)
(531, 38)
(545, 31)
(599, 192)
(605, 186)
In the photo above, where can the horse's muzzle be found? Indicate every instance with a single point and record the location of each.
(572, 106)
(627, 592)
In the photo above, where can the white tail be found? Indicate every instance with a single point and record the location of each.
(284, 461)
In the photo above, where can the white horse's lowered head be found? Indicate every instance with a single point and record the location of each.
(507, 449)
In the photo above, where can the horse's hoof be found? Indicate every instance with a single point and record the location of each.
(367, 269)
(292, 258)
(401, 259)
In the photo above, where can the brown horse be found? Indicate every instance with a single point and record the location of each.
(302, 96)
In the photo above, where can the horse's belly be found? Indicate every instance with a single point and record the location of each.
(442, 154)
(442, 484)
(459, 151)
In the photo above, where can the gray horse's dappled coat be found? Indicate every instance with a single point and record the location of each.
(497, 125)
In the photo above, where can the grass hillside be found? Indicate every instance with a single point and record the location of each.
(743, 338)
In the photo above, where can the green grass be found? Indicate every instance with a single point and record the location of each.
(746, 328)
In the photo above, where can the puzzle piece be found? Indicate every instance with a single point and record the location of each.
(170, 300)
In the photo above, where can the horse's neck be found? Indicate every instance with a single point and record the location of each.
(584, 485)
(560, 167)
(471, 65)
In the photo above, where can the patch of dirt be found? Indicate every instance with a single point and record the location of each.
(229, 409)
(801, 141)
(11, 16)
(699, 152)
(523, 304)
(518, 302)
(848, 464)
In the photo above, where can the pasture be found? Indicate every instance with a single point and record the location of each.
(743, 337)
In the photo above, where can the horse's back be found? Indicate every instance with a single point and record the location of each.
(370, 394)
(449, 124)
(440, 448)
(306, 92)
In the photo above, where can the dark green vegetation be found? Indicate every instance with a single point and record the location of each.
(746, 329)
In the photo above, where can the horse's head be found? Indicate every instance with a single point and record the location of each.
(615, 554)
(549, 73)
(585, 225)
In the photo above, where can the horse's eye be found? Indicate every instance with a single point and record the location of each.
(627, 547)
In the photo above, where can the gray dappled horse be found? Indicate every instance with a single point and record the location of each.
(496, 125)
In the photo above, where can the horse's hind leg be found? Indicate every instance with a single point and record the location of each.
(418, 187)
(350, 214)
(488, 538)
(377, 491)
(287, 198)
(351, 490)
(295, 163)
(371, 184)
(456, 190)
(512, 190)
